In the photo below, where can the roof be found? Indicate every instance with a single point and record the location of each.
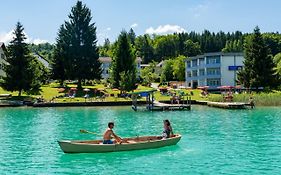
(216, 54)
(160, 64)
(2, 45)
(109, 59)
(105, 59)
(42, 60)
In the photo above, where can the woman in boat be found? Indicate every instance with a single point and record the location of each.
(108, 134)
(168, 131)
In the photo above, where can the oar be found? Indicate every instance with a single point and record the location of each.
(89, 132)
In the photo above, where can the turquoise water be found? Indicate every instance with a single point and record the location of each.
(214, 141)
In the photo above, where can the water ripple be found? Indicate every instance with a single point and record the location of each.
(214, 141)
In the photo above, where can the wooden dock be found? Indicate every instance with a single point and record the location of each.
(158, 106)
(153, 105)
(228, 105)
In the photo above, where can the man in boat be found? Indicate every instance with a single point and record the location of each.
(108, 134)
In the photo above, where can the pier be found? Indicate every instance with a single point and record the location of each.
(228, 105)
(152, 105)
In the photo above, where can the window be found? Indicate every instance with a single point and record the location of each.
(188, 74)
(201, 72)
(201, 82)
(213, 71)
(213, 82)
(213, 60)
(194, 73)
(194, 63)
(188, 64)
(2, 56)
(201, 61)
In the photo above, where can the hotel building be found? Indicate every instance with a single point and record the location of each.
(213, 69)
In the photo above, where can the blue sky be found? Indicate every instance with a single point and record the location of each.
(42, 18)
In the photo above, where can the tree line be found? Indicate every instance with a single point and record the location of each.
(75, 55)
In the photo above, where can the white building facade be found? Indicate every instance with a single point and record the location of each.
(213, 69)
(106, 62)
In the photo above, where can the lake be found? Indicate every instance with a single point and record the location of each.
(215, 141)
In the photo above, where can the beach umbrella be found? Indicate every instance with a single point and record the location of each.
(238, 87)
(230, 87)
(73, 89)
(222, 87)
(201, 87)
(61, 90)
(86, 90)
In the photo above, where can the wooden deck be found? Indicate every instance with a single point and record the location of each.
(228, 105)
(158, 106)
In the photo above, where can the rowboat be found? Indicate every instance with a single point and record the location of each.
(127, 144)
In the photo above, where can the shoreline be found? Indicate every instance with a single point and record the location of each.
(81, 104)
(110, 103)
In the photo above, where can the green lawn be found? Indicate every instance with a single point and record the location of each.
(48, 92)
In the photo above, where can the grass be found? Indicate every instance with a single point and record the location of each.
(48, 92)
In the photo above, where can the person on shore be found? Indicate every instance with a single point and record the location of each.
(168, 131)
(108, 134)
(251, 102)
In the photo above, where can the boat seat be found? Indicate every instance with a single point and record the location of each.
(131, 141)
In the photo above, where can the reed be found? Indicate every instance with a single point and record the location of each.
(260, 99)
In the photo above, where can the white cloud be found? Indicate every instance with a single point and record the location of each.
(134, 25)
(39, 41)
(166, 29)
(6, 37)
(102, 35)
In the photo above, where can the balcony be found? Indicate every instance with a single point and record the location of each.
(202, 77)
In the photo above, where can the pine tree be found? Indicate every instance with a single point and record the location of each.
(144, 48)
(58, 63)
(80, 52)
(132, 36)
(258, 64)
(124, 61)
(21, 70)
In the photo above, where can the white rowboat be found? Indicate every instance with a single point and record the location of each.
(127, 144)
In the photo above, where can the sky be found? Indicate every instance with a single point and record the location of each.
(42, 18)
